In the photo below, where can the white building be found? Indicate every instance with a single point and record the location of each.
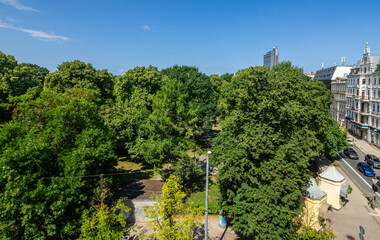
(338, 106)
(271, 58)
(326, 75)
(363, 98)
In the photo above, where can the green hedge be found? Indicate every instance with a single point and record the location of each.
(200, 207)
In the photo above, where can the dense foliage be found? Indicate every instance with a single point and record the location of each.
(274, 124)
(51, 139)
(15, 80)
(77, 74)
(199, 91)
(104, 223)
(171, 217)
(57, 127)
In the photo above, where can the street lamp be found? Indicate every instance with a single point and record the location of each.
(206, 216)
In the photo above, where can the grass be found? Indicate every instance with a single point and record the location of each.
(336, 164)
(213, 194)
(136, 170)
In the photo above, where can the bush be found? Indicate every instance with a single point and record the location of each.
(200, 207)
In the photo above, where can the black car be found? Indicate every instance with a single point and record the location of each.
(372, 160)
(350, 153)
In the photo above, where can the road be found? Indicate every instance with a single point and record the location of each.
(349, 166)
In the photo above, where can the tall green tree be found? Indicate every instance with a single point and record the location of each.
(171, 217)
(77, 74)
(38, 71)
(272, 125)
(199, 90)
(147, 78)
(15, 80)
(134, 93)
(105, 223)
(167, 133)
(52, 139)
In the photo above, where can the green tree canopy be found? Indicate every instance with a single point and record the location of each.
(15, 80)
(38, 71)
(77, 74)
(105, 223)
(134, 93)
(171, 217)
(271, 122)
(52, 139)
(167, 132)
(199, 90)
(147, 78)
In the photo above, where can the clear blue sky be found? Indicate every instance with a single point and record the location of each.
(216, 36)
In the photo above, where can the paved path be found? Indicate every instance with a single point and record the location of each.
(214, 231)
(346, 221)
(365, 146)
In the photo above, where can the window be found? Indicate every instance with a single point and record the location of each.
(369, 81)
(363, 81)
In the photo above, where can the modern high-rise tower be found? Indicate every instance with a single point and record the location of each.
(271, 58)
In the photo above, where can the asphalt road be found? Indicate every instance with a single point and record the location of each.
(364, 182)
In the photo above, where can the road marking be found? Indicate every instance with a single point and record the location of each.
(375, 215)
(357, 173)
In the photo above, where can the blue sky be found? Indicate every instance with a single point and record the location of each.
(216, 36)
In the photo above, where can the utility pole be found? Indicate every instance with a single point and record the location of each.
(206, 216)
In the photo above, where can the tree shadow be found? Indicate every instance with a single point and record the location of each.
(350, 237)
(199, 232)
(131, 188)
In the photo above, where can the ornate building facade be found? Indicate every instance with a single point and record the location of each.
(363, 98)
(338, 106)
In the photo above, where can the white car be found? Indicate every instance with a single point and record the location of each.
(351, 141)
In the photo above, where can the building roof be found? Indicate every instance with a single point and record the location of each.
(332, 174)
(375, 61)
(313, 191)
(332, 73)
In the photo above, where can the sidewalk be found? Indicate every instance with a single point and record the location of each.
(346, 221)
(215, 232)
(365, 146)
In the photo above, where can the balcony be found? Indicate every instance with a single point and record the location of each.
(364, 98)
(364, 112)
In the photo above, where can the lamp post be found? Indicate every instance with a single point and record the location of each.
(206, 216)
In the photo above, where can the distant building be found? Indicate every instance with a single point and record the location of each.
(363, 98)
(311, 74)
(271, 58)
(332, 73)
(338, 106)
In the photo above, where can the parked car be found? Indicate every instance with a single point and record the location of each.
(351, 142)
(366, 169)
(350, 153)
(372, 160)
